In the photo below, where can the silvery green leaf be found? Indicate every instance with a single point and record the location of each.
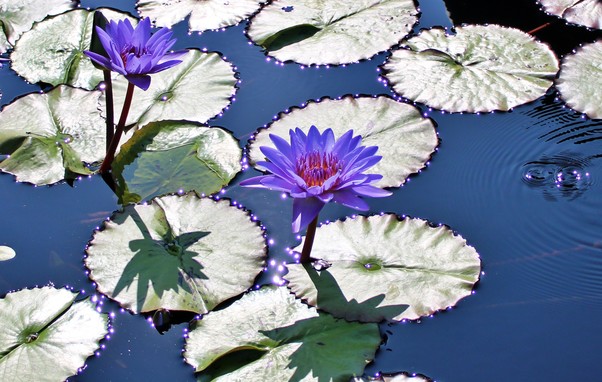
(405, 139)
(580, 80)
(478, 69)
(173, 253)
(6, 253)
(381, 267)
(331, 31)
(583, 12)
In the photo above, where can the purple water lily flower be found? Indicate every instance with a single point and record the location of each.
(133, 52)
(316, 169)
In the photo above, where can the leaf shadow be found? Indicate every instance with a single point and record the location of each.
(165, 264)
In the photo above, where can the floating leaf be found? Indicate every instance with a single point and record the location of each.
(268, 335)
(177, 253)
(49, 136)
(166, 157)
(479, 69)
(17, 17)
(204, 15)
(6, 253)
(331, 31)
(580, 80)
(195, 90)
(53, 50)
(582, 12)
(378, 264)
(405, 139)
(45, 336)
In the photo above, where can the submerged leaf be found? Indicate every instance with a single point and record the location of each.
(45, 335)
(405, 139)
(17, 17)
(49, 136)
(583, 12)
(478, 69)
(204, 15)
(175, 254)
(53, 50)
(197, 89)
(580, 80)
(305, 31)
(6, 253)
(380, 264)
(268, 335)
(175, 156)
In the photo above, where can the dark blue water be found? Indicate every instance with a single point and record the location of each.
(523, 187)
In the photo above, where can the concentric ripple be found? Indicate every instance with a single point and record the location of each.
(558, 176)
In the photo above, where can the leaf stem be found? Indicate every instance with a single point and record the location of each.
(106, 163)
(109, 107)
(309, 241)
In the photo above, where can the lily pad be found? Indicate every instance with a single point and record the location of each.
(196, 90)
(45, 335)
(405, 139)
(268, 335)
(379, 264)
(6, 253)
(204, 15)
(478, 69)
(580, 80)
(175, 156)
(17, 17)
(177, 253)
(49, 136)
(307, 31)
(583, 12)
(53, 50)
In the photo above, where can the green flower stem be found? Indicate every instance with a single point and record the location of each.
(109, 107)
(106, 164)
(309, 241)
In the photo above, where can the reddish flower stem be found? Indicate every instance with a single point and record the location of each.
(539, 28)
(106, 163)
(109, 107)
(309, 241)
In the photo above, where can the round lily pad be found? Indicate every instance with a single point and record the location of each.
(405, 139)
(17, 17)
(53, 50)
(204, 15)
(175, 156)
(49, 136)
(268, 335)
(580, 80)
(583, 12)
(331, 31)
(177, 253)
(45, 335)
(380, 267)
(478, 69)
(6, 253)
(197, 89)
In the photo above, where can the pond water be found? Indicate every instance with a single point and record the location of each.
(523, 187)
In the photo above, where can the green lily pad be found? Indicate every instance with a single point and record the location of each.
(305, 31)
(6, 253)
(583, 12)
(405, 139)
(268, 335)
(177, 253)
(53, 50)
(45, 335)
(204, 15)
(379, 264)
(580, 80)
(196, 90)
(175, 156)
(17, 17)
(49, 136)
(479, 69)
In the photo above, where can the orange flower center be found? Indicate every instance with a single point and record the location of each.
(315, 167)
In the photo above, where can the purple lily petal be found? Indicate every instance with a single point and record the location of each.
(282, 145)
(141, 80)
(350, 199)
(304, 211)
(372, 191)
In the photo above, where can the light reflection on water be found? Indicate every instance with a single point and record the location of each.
(536, 311)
